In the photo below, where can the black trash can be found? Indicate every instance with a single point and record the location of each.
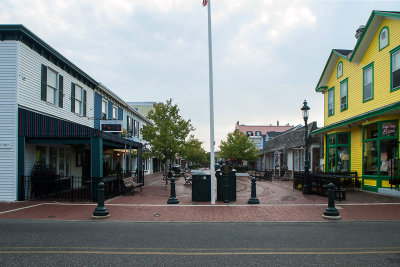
(226, 186)
(201, 187)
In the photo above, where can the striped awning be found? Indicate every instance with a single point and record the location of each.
(35, 125)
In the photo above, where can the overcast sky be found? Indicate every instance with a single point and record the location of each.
(267, 55)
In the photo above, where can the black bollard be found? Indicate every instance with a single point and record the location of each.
(101, 211)
(253, 199)
(331, 212)
(173, 199)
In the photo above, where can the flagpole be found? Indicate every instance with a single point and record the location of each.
(210, 70)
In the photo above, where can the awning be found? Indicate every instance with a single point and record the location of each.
(35, 125)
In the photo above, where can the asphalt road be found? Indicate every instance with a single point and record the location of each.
(110, 243)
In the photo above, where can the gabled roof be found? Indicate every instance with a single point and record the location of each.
(361, 46)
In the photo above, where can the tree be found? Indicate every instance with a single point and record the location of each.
(194, 152)
(167, 137)
(238, 147)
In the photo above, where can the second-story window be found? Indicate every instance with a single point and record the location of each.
(115, 113)
(136, 128)
(51, 87)
(331, 107)
(258, 133)
(343, 94)
(249, 133)
(395, 69)
(130, 126)
(368, 85)
(78, 100)
(103, 109)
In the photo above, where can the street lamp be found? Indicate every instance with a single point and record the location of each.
(307, 183)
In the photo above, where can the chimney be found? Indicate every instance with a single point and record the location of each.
(277, 123)
(237, 122)
(359, 32)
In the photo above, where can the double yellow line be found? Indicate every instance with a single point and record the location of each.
(198, 251)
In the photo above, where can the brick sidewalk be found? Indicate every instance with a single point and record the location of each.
(279, 202)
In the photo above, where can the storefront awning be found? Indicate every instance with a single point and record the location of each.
(357, 120)
(35, 125)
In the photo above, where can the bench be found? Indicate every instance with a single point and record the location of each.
(265, 175)
(130, 184)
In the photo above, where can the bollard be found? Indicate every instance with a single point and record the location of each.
(173, 199)
(331, 212)
(253, 199)
(101, 211)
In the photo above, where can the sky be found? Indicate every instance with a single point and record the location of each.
(268, 55)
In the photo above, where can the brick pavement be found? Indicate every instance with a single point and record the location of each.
(279, 202)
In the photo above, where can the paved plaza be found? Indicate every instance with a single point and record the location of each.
(279, 203)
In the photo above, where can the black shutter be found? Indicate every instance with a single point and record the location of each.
(73, 97)
(84, 103)
(43, 92)
(60, 91)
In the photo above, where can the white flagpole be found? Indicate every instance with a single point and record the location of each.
(210, 70)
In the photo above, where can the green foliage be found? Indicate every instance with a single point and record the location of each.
(238, 147)
(167, 137)
(193, 151)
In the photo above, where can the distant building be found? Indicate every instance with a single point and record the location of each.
(143, 107)
(259, 134)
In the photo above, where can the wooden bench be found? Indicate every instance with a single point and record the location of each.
(130, 184)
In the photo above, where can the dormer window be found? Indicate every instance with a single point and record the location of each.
(383, 38)
(340, 69)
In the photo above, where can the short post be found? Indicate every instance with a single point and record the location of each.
(331, 212)
(101, 211)
(173, 199)
(253, 199)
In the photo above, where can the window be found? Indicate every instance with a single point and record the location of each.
(368, 84)
(40, 154)
(136, 128)
(301, 153)
(380, 146)
(395, 69)
(338, 151)
(258, 133)
(383, 38)
(340, 69)
(104, 109)
(130, 126)
(51, 87)
(331, 106)
(78, 100)
(115, 113)
(249, 133)
(343, 94)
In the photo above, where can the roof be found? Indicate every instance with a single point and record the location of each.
(262, 129)
(362, 44)
(273, 134)
(290, 139)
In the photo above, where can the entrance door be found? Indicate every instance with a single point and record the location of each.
(315, 159)
(86, 163)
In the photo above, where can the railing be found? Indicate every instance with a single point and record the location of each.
(73, 188)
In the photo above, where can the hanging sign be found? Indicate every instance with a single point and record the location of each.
(111, 126)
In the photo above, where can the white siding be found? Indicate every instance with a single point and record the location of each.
(8, 120)
(30, 86)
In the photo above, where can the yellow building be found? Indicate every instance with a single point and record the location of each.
(361, 89)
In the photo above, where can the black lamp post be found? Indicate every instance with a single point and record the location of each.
(307, 183)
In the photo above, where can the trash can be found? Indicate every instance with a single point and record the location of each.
(201, 187)
(226, 186)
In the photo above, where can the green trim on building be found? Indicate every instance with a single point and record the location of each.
(333, 104)
(347, 94)
(375, 112)
(391, 71)
(370, 65)
(336, 145)
(337, 70)
(379, 37)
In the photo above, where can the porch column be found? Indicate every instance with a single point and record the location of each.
(96, 164)
(140, 164)
(21, 168)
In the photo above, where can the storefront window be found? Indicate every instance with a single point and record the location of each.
(379, 145)
(338, 152)
(40, 154)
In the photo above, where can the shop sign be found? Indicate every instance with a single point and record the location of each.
(111, 126)
(388, 129)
